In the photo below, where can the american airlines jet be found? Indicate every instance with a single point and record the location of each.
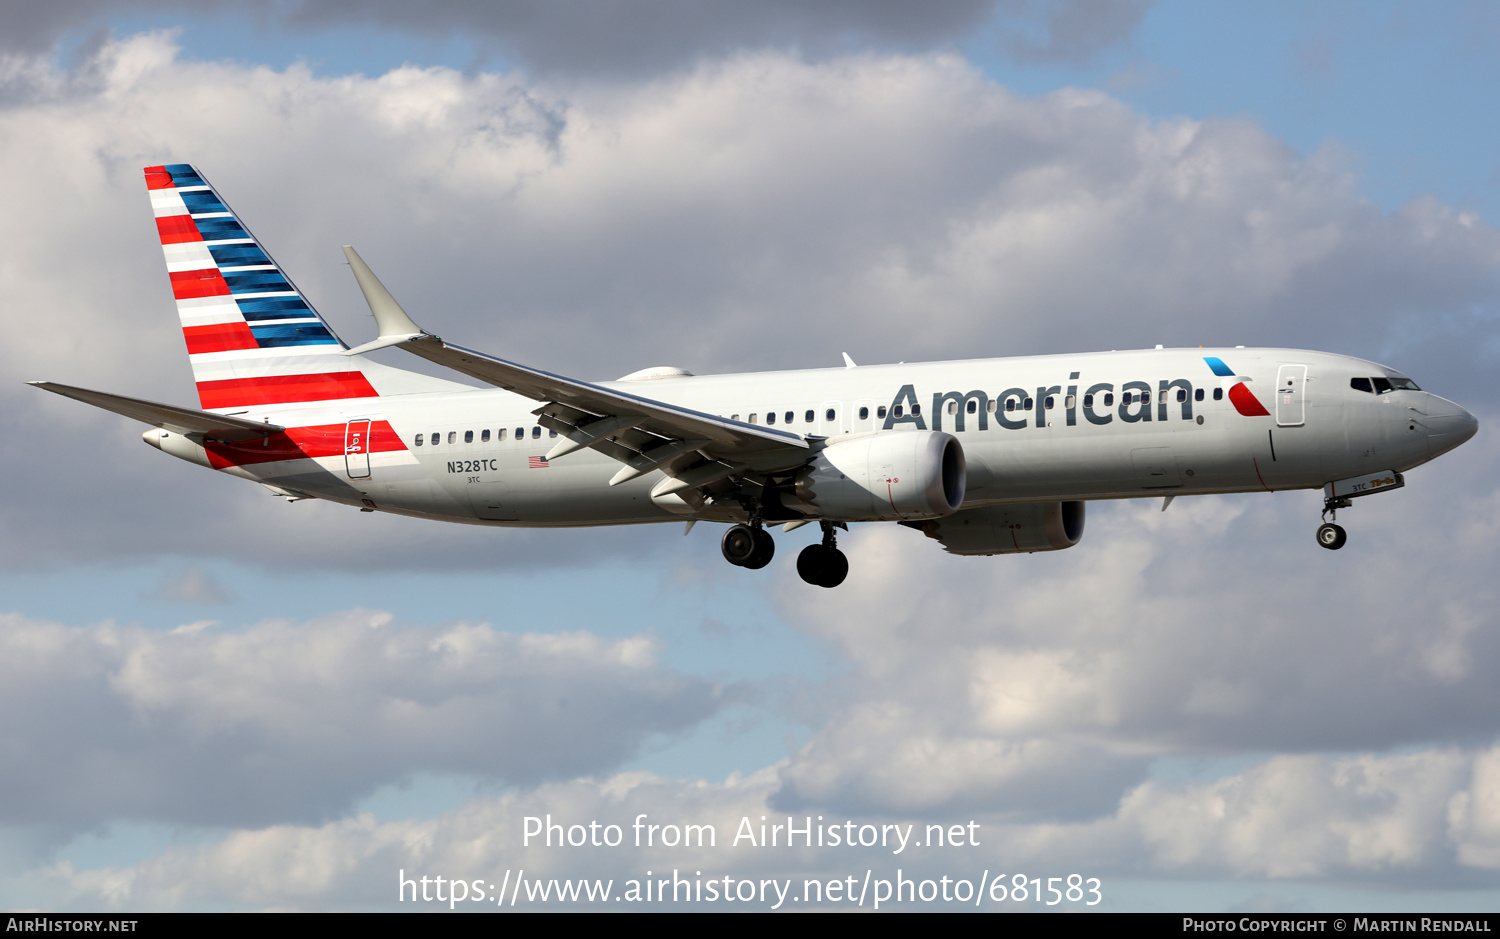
(990, 456)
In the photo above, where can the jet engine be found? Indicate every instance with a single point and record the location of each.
(1008, 529)
(884, 477)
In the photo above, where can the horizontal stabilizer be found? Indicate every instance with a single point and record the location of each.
(184, 421)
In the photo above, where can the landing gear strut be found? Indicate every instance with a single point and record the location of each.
(1330, 535)
(823, 565)
(748, 546)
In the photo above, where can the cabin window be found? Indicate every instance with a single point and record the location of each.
(973, 406)
(468, 436)
(419, 440)
(953, 407)
(770, 417)
(1161, 396)
(880, 412)
(1048, 403)
(1218, 394)
(500, 434)
(864, 414)
(753, 417)
(536, 432)
(484, 435)
(1026, 405)
(520, 433)
(1070, 402)
(551, 432)
(1109, 399)
(808, 416)
(830, 415)
(453, 436)
(1361, 384)
(916, 409)
(788, 417)
(898, 410)
(1088, 401)
(991, 405)
(1198, 395)
(1010, 404)
(1181, 395)
(437, 439)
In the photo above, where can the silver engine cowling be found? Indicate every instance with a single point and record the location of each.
(1008, 529)
(885, 477)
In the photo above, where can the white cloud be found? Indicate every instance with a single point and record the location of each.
(294, 722)
(1375, 819)
(1042, 685)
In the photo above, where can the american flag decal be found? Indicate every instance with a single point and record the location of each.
(536, 462)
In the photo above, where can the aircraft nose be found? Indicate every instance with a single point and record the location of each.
(1448, 425)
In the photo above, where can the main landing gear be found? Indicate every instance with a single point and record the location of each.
(823, 565)
(748, 546)
(1330, 535)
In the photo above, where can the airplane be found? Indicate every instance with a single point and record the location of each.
(989, 456)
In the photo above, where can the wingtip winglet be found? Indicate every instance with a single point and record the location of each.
(394, 324)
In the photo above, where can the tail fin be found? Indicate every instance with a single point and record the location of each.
(252, 337)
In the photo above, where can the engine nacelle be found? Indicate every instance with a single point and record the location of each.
(885, 477)
(1008, 529)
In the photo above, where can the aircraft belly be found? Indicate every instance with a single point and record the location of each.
(577, 494)
(489, 485)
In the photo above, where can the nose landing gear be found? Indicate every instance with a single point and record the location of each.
(1331, 535)
(823, 565)
(1336, 495)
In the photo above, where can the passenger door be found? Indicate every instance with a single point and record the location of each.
(357, 449)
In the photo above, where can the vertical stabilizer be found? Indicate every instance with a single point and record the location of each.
(251, 335)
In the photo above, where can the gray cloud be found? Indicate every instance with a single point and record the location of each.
(192, 585)
(590, 37)
(284, 723)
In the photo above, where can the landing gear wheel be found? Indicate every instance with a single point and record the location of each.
(739, 545)
(822, 566)
(1332, 536)
(765, 549)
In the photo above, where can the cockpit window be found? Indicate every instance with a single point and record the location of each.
(1361, 384)
(1403, 384)
(1382, 386)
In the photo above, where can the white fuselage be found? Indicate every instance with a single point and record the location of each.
(1180, 440)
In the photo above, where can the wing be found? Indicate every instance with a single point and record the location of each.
(185, 421)
(696, 451)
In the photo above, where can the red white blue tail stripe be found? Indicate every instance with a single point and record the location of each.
(252, 337)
